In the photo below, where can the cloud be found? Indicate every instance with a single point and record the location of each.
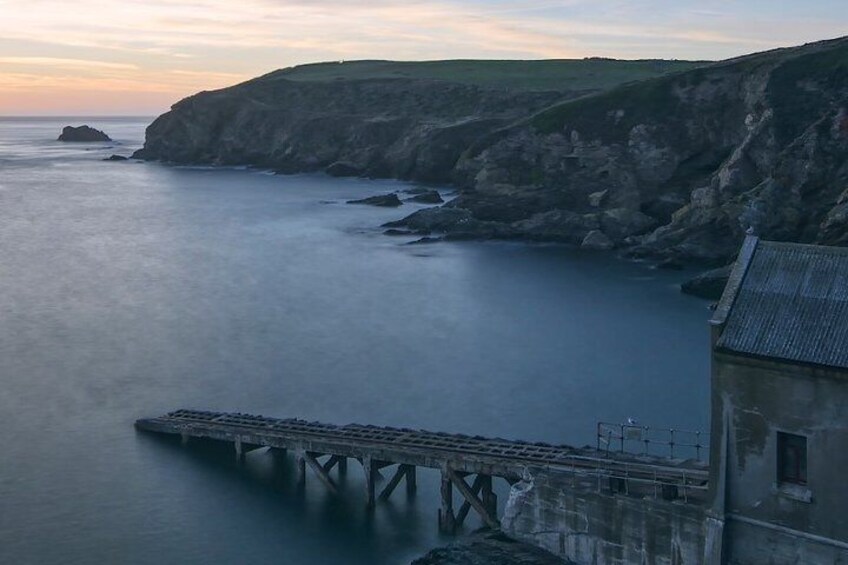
(179, 46)
(64, 63)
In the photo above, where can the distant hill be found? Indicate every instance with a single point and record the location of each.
(667, 159)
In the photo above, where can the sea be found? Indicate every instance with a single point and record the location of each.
(130, 289)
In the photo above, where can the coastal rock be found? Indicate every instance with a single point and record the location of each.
(424, 241)
(620, 223)
(596, 239)
(558, 225)
(709, 284)
(488, 548)
(343, 169)
(385, 200)
(116, 158)
(82, 134)
(433, 219)
(428, 197)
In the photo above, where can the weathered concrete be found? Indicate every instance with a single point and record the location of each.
(754, 399)
(587, 525)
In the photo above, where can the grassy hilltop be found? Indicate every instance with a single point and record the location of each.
(555, 74)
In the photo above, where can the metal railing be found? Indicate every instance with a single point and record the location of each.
(657, 442)
(684, 484)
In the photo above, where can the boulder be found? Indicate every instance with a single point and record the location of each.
(384, 200)
(709, 284)
(433, 219)
(82, 133)
(428, 197)
(596, 239)
(116, 158)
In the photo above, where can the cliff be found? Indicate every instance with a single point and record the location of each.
(373, 118)
(661, 159)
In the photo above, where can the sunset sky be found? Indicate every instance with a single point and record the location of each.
(129, 57)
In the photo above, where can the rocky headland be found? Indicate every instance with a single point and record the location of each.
(673, 162)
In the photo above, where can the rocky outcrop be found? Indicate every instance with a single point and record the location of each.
(681, 166)
(675, 168)
(489, 548)
(82, 133)
(428, 197)
(384, 200)
(386, 128)
(708, 285)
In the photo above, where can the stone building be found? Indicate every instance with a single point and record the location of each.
(779, 432)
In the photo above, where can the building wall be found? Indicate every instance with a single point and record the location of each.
(585, 526)
(753, 400)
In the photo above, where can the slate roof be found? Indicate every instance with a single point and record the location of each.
(787, 301)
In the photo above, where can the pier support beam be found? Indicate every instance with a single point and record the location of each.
(411, 481)
(471, 497)
(332, 462)
(402, 471)
(489, 498)
(300, 468)
(370, 468)
(466, 506)
(447, 520)
(311, 460)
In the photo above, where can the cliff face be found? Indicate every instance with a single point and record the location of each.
(362, 127)
(374, 118)
(680, 165)
(676, 166)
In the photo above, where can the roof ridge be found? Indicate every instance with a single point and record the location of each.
(734, 282)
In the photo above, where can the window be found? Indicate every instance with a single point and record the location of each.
(791, 458)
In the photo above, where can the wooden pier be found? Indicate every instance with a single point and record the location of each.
(459, 458)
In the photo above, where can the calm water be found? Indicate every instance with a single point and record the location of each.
(128, 290)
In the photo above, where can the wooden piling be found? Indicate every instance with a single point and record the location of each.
(447, 520)
(300, 468)
(368, 465)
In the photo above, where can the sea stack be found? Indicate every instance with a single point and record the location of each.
(83, 133)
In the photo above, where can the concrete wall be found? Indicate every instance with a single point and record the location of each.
(752, 401)
(601, 528)
(751, 544)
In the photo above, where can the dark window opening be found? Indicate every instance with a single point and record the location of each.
(791, 458)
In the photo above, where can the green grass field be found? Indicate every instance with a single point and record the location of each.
(556, 74)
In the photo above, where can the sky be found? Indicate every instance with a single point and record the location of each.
(137, 57)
